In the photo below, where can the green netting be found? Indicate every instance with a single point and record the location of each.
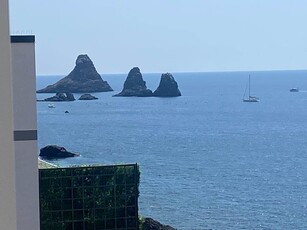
(89, 198)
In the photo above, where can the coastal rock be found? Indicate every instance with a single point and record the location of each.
(61, 97)
(70, 96)
(134, 85)
(168, 87)
(82, 79)
(151, 224)
(87, 96)
(54, 151)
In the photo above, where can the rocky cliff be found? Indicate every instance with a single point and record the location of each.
(151, 224)
(134, 85)
(168, 87)
(82, 79)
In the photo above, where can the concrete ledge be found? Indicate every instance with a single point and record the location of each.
(22, 39)
(45, 165)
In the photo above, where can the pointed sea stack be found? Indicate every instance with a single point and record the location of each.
(134, 85)
(168, 87)
(83, 79)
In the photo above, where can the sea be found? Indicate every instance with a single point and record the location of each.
(207, 159)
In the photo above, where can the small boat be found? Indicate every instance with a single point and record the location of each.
(294, 90)
(250, 98)
(51, 106)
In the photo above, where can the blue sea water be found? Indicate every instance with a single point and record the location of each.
(207, 160)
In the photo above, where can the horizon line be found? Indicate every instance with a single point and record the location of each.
(186, 72)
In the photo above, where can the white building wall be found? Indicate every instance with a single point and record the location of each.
(24, 83)
(25, 132)
(8, 215)
(19, 197)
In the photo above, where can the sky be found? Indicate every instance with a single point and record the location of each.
(165, 35)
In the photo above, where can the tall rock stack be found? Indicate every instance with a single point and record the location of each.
(134, 85)
(168, 87)
(84, 78)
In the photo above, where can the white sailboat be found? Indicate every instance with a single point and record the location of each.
(51, 106)
(250, 98)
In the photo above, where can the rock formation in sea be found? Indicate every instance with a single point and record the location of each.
(134, 85)
(168, 87)
(61, 97)
(84, 78)
(54, 151)
(151, 224)
(87, 96)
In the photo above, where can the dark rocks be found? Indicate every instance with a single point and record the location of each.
(168, 87)
(83, 79)
(54, 151)
(87, 96)
(134, 85)
(151, 224)
(70, 97)
(61, 97)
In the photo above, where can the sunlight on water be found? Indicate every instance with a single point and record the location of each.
(207, 159)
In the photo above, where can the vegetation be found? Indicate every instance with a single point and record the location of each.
(141, 222)
(90, 197)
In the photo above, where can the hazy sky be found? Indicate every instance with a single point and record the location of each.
(165, 35)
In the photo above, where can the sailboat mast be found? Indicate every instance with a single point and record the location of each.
(250, 98)
(249, 86)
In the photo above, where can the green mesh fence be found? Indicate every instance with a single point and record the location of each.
(89, 198)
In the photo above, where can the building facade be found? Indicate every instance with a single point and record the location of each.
(25, 130)
(19, 201)
(8, 215)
